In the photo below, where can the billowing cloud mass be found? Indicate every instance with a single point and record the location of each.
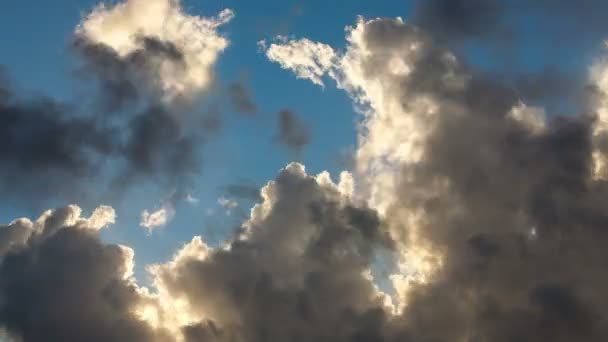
(470, 215)
(145, 64)
(59, 282)
(493, 204)
(303, 258)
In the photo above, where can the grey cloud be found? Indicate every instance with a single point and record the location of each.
(63, 284)
(292, 131)
(125, 80)
(49, 148)
(461, 19)
(491, 21)
(241, 98)
(499, 281)
(158, 144)
(301, 265)
(506, 32)
(45, 147)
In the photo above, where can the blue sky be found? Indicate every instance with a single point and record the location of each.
(245, 151)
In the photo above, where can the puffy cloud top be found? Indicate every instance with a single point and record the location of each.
(191, 43)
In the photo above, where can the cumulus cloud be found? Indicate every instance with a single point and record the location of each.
(188, 45)
(481, 193)
(43, 145)
(301, 259)
(61, 283)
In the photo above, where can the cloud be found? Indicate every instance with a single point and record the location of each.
(485, 213)
(241, 99)
(292, 131)
(42, 145)
(188, 46)
(62, 283)
(461, 172)
(306, 251)
(147, 63)
(158, 218)
(489, 21)
(461, 19)
(309, 60)
(301, 259)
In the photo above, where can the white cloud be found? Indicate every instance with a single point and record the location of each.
(157, 219)
(102, 217)
(307, 59)
(532, 118)
(120, 26)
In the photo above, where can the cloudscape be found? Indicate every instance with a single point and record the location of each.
(236, 171)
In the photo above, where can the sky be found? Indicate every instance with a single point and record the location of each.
(423, 170)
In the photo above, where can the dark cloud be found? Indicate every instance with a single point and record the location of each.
(49, 148)
(63, 284)
(508, 35)
(240, 98)
(519, 214)
(158, 144)
(125, 80)
(292, 131)
(45, 147)
(462, 19)
(301, 264)
(515, 213)
(495, 22)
